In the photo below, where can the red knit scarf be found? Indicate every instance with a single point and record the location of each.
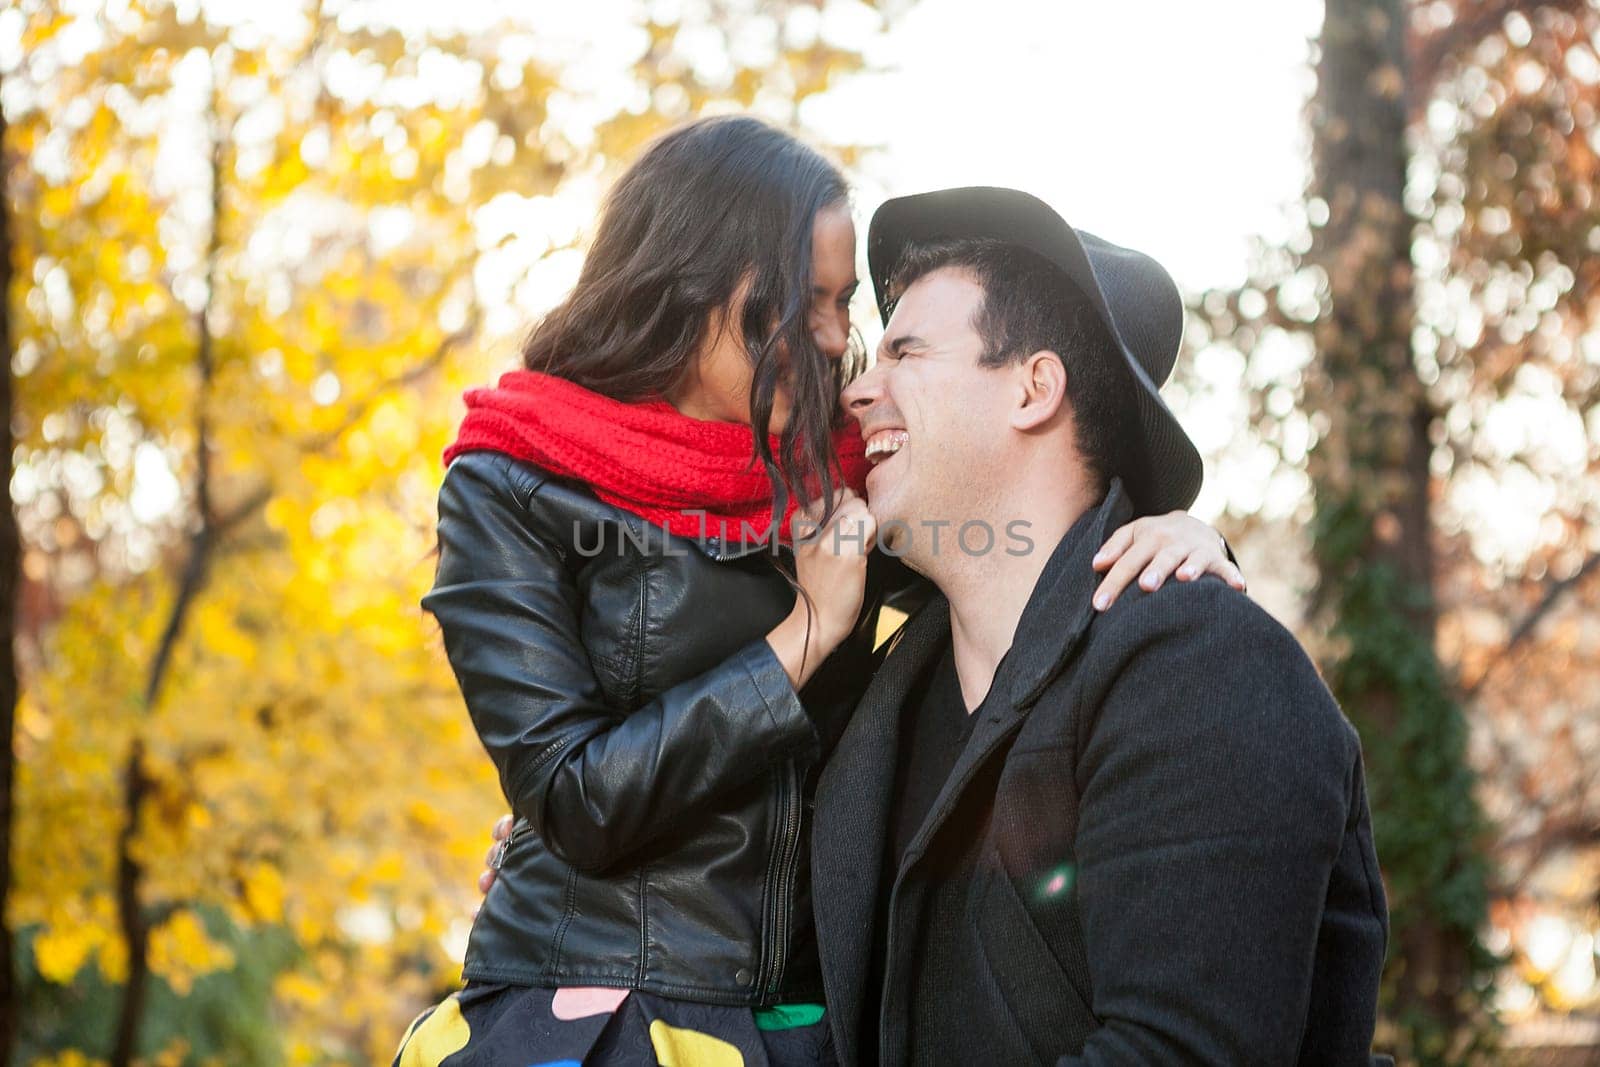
(643, 457)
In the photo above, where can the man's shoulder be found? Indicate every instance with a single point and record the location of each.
(1205, 611)
(1206, 650)
(1207, 599)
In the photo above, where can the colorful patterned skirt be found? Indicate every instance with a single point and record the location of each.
(496, 1025)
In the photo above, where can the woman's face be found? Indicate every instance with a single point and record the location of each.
(718, 387)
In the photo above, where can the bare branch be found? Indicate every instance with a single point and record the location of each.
(1573, 832)
(410, 376)
(133, 920)
(243, 510)
(202, 540)
(226, 522)
(1530, 623)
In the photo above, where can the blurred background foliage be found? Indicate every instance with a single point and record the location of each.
(253, 258)
(1425, 345)
(249, 807)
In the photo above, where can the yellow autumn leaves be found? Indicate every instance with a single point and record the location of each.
(261, 248)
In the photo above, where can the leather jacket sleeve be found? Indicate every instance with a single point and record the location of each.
(595, 781)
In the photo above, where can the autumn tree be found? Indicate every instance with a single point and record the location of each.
(1506, 158)
(1436, 298)
(256, 267)
(1373, 538)
(10, 573)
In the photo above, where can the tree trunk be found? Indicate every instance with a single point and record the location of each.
(1373, 540)
(131, 908)
(10, 579)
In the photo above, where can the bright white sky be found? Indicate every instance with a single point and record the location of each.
(1120, 115)
(1166, 125)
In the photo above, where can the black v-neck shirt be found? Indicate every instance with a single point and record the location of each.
(932, 737)
(934, 729)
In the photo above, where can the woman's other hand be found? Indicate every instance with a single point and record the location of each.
(501, 831)
(831, 569)
(1155, 548)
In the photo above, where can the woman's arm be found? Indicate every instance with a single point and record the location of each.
(595, 782)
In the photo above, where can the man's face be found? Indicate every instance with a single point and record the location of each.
(933, 419)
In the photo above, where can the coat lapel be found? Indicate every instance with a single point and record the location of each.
(853, 797)
(850, 825)
(1057, 616)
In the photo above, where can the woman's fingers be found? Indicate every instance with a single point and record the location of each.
(1156, 548)
(499, 832)
(1231, 574)
(1115, 546)
(850, 530)
(1118, 578)
(1161, 567)
(1208, 561)
(802, 525)
(854, 528)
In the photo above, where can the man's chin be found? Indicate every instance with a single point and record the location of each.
(891, 520)
(885, 492)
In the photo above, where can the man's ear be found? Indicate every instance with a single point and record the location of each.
(1042, 380)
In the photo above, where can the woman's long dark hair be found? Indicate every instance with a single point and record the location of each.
(708, 206)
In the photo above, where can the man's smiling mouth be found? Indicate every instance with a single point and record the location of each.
(885, 443)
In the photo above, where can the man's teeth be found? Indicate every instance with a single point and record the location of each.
(886, 443)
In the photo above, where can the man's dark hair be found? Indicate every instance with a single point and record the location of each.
(1029, 306)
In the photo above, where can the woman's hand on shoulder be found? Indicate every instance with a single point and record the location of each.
(1157, 547)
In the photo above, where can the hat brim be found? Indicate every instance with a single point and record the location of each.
(1169, 469)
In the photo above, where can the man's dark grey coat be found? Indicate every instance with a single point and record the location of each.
(1155, 849)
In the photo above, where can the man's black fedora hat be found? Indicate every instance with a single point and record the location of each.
(1136, 299)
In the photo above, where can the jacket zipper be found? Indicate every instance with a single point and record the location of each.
(788, 850)
(499, 858)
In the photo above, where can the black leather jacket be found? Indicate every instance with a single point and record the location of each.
(658, 760)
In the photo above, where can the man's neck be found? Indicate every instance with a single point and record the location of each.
(987, 593)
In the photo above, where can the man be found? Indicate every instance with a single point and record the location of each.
(1052, 835)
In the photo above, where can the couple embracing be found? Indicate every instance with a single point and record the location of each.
(1059, 816)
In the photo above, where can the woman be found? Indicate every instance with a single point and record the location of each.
(656, 672)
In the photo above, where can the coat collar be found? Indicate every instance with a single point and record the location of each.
(850, 826)
(1059, 611)
(852, 808)
(1053, 622)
